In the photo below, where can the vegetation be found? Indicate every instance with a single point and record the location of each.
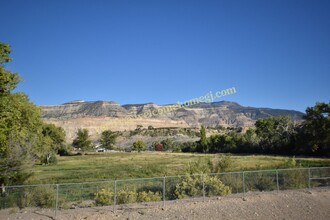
(24, 138)
(108, 139)
(275, 135)
(53, 143)
(138, 146)
(314, 134)
(192, 185)
(121, 165)
(203, 141)
(151, 189)
(106, 197)
(82, 140)
(158, 147)
(187, 186)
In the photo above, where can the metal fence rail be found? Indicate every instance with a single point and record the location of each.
(160, 189)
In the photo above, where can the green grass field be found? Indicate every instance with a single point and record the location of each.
(107, 166)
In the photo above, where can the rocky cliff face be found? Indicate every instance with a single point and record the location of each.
(97, 116)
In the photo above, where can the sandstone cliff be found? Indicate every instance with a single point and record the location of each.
(97, 116)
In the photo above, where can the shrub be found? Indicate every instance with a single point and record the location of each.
(64, 150)
(104, 197)
(191, 186)
(221, 164)
(170, 188)
(149, 196)
(187, 187)
(294, 179)
(139, 146)
(261, 181)
(41, 196)
(125, 197)
(214, 187)
(188, 147)
(234, 180)
(158, 147)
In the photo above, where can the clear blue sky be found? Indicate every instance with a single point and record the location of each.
(275, 52)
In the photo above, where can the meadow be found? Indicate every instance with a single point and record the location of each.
(122, 165)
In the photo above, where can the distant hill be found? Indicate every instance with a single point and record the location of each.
(97, 116)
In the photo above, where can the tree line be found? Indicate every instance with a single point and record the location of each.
(274, 135)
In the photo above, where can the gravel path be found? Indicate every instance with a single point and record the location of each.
(298, 204)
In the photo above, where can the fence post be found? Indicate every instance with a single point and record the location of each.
(309, 178)
(164, 178)
(278, 185)
(203, 188)
(114, 195)
(56, 202)
(243, 184)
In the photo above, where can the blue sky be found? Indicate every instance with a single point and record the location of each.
(276, 53)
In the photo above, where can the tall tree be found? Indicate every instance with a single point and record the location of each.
(8, 80)
(316, 128)
(20, 126)
(202, 145)
(108, 139)
(82, 140)
(276, 134)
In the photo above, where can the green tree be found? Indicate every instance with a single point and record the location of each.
(108, 139)
(82, 140)
(20, 126)
(249, 142)
(138, 146)
(222, 143)
(203, 141)
(276, 134)
(8, 80)
(315, 133)
(53, 142)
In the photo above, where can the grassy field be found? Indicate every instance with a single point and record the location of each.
(105, 166)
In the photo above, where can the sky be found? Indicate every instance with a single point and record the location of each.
(276, 53)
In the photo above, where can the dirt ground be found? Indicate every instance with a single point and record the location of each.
(297, 204)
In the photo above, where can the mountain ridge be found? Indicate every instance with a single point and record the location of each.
(97, 116)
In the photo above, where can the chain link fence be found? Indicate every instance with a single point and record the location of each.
(160, 189)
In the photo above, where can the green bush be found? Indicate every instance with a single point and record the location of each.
(214, 187)
(125, 197)
(190, 186)
(104, 197)
(149, 196)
